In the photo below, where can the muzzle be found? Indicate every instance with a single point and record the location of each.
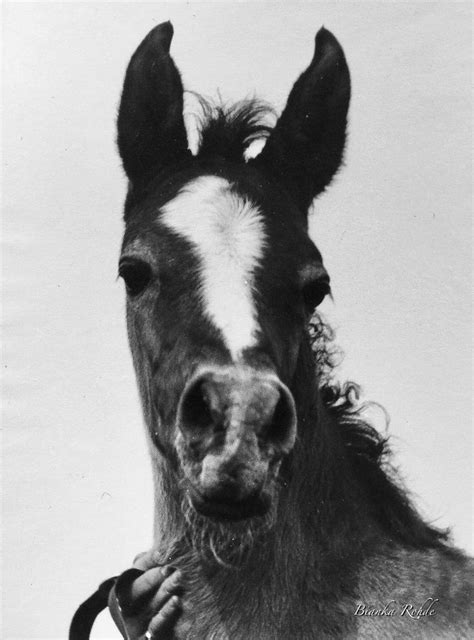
(235, 425)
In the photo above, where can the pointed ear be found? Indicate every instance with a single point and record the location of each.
(151, 132)
(305, 149)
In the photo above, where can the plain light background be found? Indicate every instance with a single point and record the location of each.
(394, 230)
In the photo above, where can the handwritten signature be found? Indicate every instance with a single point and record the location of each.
(394, 608)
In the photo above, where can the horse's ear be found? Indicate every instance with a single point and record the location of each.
(151, 131)
(305, 149)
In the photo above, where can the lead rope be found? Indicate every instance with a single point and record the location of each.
(87, 612)
(83, 620)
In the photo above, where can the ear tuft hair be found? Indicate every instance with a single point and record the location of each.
(227, 131)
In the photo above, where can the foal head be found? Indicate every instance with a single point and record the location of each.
(221, 274)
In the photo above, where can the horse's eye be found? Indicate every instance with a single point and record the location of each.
(136, 274)
(314, 293)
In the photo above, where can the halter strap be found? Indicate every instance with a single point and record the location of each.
(87, 612)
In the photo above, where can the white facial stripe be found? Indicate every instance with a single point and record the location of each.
(228, 235)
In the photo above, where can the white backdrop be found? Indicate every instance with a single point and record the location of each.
(394, 230)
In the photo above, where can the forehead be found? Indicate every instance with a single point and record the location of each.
(240, 235)
(212, 215)
(239, 222)
(231, 211)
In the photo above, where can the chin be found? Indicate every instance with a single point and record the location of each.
(226, 532)
(227, 510)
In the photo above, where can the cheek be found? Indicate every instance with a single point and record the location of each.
(158, 366)
(294, 345)
(292, 327)
(167, 349)
(281, 338)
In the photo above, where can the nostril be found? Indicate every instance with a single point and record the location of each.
(198, 409)
(281, 428)
(195, 410)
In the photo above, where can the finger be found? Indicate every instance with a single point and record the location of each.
(148, 560)
(123, 589)
(150, 581)
(140, 555)
(165, 620)
(171, 586)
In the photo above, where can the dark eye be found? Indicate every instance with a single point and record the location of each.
(314, 293)
(136, 274)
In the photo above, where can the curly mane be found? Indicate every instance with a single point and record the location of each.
(368, 451)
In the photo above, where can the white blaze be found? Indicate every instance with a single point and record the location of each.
(227, 233)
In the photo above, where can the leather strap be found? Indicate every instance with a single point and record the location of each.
(114, 593)
(119, 600)
(87, 612)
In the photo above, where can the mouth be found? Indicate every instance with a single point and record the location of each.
(256, 505)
